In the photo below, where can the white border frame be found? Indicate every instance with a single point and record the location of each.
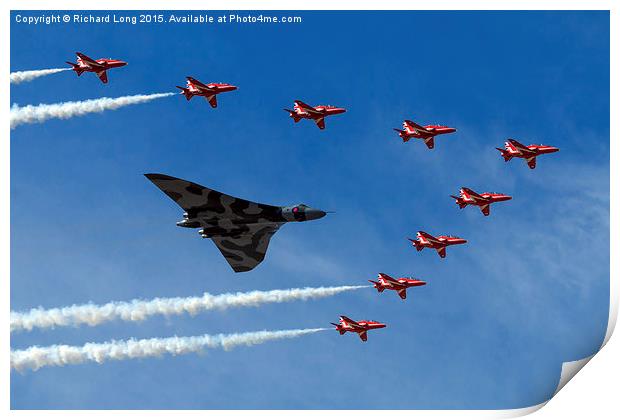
(597, 384)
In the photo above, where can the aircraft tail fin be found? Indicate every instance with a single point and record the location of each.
(417, 244)
(293, 115)
(75, 68)
(460, 202)
(377, 286)
(186, 92)
(505, 154)
(402, 134)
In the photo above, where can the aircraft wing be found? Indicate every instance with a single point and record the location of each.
(196, 82)
(486, 209)
(246, 251)
(320, 122)
(103, 76)
(364, 335)
(194, 199)
(349, 321)
(403, 294)
(416, 126)
(87, 60)
(517, 145)
(307, 108)
(531, 162)
(442, 252)
(430, 142)
(212, 100)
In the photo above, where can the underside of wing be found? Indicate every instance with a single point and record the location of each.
(196, 199)
(103, 76)
(402, 293)
(364, 335)
(531, 162)
(244, 252)
(320, 122)
(212, 100)
(430, 142)
(486, 209)
(442, 252)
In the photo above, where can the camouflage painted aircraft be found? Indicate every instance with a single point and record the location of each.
(240, 229)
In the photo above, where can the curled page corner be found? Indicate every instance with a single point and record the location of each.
(570, 369)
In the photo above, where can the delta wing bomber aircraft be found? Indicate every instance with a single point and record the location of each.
(99, 67)
(240, 229)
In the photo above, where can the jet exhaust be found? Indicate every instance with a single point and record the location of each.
(31, 114)
(34, 358)
(138, 310)
(18, 77)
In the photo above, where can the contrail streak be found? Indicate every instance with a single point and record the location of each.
(35, 357)
(139, 310)
(30, 114)
(18, 77)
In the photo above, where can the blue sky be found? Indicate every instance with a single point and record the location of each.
(498, 316)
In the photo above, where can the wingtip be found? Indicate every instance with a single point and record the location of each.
(156, 176)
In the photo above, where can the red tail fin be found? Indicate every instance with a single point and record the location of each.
(75, 68)
(293, 115)
(186, 92)
(377, 286)
(507, 156)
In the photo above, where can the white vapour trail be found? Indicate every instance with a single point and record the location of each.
(35, 357)
(30, 114)
(18, 77)
(139, 310)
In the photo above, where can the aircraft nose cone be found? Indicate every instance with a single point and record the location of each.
(122, 63)
(312, 214)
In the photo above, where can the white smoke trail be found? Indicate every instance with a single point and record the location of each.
(139, 310)
(35, 357)
(30, 114)
(18, 77)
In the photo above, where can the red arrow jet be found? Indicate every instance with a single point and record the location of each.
(209, 90)
(514, 149)
(316, 113)
(359, 327)
(427, 133)
(401, 285)
(484, 200)
(439, 243)
(99, 67)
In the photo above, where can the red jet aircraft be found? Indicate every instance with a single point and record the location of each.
(484, 200)
(316, 113)
(439, 243)
(427, 133)
(401, 285)
(360, 327)
(514, 149)
(209, 91)
(87, 64)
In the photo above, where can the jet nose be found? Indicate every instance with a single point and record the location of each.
(122, 63)
(232, 87)
(313, 214)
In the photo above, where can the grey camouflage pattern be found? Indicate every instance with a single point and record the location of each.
(240, 229)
